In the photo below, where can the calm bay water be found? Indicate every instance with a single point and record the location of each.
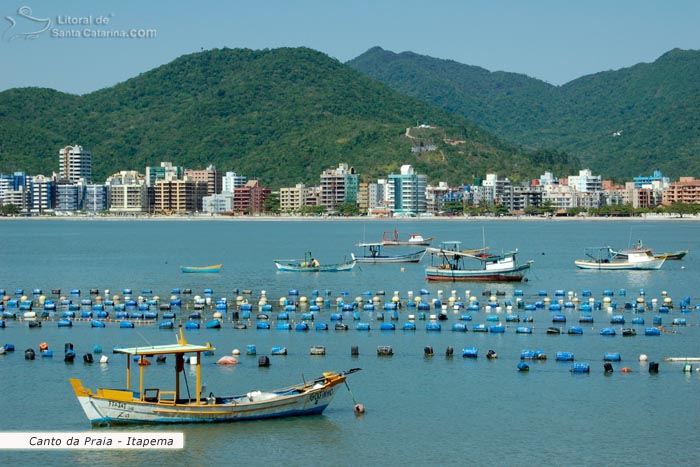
(420, 411)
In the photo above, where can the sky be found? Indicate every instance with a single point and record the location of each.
(47, 43)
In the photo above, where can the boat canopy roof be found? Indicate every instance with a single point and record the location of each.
(374, 244)
(165, 349)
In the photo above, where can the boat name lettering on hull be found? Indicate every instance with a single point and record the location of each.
(317, 396)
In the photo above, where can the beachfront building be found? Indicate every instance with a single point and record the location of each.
(43, 194)
(617, 195)
(519, 198)
(491, 191)
(559, 196)
(69, 196)
(250, 199)
(209, 176)
(96, 198)
(75, 164)
(128, 193)
(218, 203)
(14, 191)
(685, 190)
(586, 182)
(231, 181)
(293, 199)
(178, 196)
(406, 192)
(339, 186)
(645, 181)
(164, 172)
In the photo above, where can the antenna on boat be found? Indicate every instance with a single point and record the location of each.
(142, 337)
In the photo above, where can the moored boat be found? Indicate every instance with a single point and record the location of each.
(391, 238)
(202, 269)
(372, 253)
(605, 258)
(448, 264)
(153, 405)
(310, 264)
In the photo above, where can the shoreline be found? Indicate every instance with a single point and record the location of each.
(646, 217)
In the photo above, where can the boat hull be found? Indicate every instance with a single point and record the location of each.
(290, 267)
(652, 264)
(515, 274)
(378, 259)
(289, 402)
(201, 269)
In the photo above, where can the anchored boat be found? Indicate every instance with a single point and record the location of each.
(372, 253)
(391, 238)
(451, 266)
(605, 258)
(154, 405)
(310, 264)
(205, 269)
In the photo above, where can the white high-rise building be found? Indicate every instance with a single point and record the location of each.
(75, 164)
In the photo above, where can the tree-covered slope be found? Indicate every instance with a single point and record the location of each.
(620, 123)
(281, 115)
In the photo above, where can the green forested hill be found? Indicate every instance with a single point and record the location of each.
(619, 123)
(281, 115)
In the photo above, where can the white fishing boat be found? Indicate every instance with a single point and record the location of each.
(147, 404)
(605, 258)
(448, 263)
(372, 253)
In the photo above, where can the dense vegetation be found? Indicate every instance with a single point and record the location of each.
(281, 115)
(619, 123)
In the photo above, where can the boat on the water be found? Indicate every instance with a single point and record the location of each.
(448, 263)
(605, 258)
(147, 404)
(311, 264)
(205, 269)
(391, 238)
(372, 253)
(673, 255)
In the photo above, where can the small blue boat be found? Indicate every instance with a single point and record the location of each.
(480, 328)
(213, 324)
(608, 332)
(363, 326)
(387, 327)
(497, 329)
(97, 324)
(470, 352)
(522, 366)
(523, 330)
(409, 326)
(576, 330)
(459, 327)
(168, 324)
(189, 325)
(433, 326)
(283, 326)
(652, 332)
(65, 322)
(322, 326)
(301, 327)
(127, 324)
